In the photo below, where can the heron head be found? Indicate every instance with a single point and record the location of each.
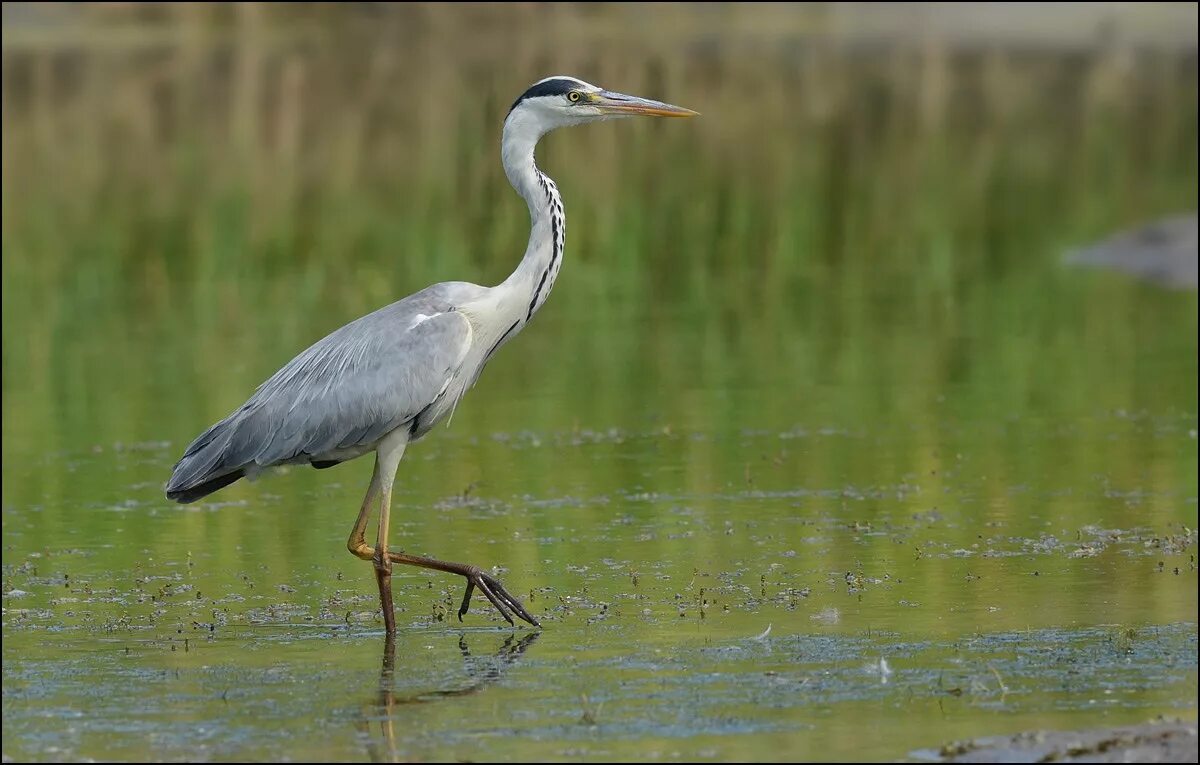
(561, 101)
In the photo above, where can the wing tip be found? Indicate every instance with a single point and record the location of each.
(186, 494)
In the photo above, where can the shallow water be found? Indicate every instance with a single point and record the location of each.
(730, 566)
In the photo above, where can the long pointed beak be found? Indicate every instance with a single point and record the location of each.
(621, 104)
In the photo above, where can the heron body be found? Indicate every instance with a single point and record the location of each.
(402, 367)
(386, 379)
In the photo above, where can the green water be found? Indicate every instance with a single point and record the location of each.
(1010, 537)
(816, 450)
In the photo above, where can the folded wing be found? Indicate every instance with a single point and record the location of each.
(345, 392)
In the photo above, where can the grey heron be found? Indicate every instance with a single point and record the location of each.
(385, 380)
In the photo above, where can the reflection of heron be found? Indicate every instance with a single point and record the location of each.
(483, 671)
(1163, 252)
(385, 380)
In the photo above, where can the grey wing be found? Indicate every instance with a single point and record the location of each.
(354, 390)
(346, 391)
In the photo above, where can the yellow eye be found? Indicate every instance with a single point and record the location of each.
(574, 96)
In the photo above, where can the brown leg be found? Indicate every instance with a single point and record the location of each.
(487, 584)
(357, 543)
(383, 564)
(387, 459)
(386, 462)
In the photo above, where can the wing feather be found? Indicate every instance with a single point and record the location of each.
(350, 391)
(347, 390)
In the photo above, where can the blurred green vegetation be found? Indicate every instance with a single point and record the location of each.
(233, 154)
(288, 168)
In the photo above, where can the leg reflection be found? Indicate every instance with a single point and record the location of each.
(481, 671)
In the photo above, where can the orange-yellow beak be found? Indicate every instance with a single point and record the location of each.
(621, 104)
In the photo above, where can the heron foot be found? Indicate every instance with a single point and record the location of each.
(499, 597)
(505, 603)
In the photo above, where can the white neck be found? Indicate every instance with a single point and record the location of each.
(526, 289)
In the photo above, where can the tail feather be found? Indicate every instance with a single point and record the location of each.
(184, 496)
(205, 467)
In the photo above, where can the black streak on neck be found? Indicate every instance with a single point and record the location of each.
(507, 332)
(554, 224)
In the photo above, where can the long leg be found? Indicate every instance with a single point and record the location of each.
(357, 543)
(386, 462)
(389, 452)
(387, 459)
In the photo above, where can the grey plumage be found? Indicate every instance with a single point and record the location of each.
(338, 398)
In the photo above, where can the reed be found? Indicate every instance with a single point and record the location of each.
(198, 154)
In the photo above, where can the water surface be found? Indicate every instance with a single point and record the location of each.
(725, 568)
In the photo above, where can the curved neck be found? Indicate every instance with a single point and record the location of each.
(526, 289)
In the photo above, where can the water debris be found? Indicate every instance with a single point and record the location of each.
(590, 715)
(881, 668)
(827, 616)
(999, 681)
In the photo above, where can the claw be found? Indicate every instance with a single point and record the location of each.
(466, 604)
(499, 597)
(497, 602)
